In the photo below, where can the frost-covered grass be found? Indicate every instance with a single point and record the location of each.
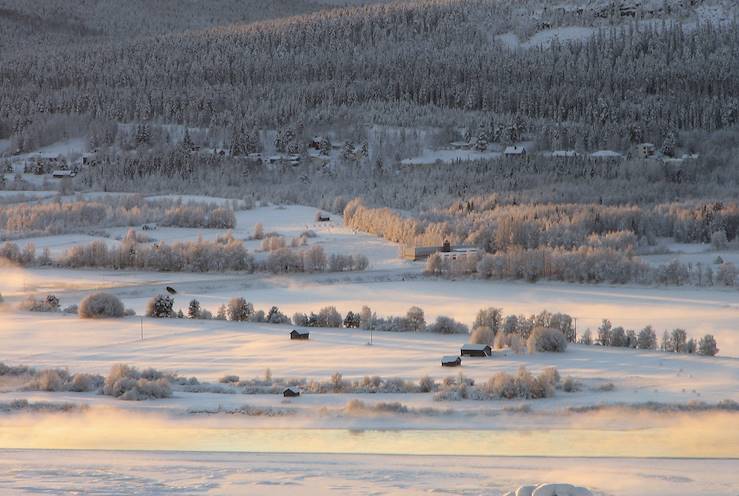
(25, 406)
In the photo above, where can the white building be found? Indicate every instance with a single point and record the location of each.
(514, 151)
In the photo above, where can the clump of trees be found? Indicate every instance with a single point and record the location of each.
(36, 219)
(224, 254)
(522, 385)
(675, 341)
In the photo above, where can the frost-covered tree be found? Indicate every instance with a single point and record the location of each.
(707, 346)
(415, 319)
(193, 309)
(647, 339)
(604, 333)
(160, 306)
(239, 310)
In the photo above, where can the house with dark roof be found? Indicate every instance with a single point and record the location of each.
(291, 392)
(451, 361)
(476, 350)
(299, 335)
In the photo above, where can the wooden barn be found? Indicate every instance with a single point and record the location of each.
(476, 350)
(291, 392)
(451, 361)
(299, 335)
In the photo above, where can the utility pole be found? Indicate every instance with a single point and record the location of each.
(575, 329)
(142, 327)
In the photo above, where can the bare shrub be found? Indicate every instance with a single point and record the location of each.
(485, 335)
(101, 306)
(127, 383)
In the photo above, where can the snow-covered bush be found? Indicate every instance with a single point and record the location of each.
(32, 304)
(127, 383)
(544, 339)
(160, 306)
(101, 306)
(570, 385)
(447, 325)
(229, 379)
(61, 380)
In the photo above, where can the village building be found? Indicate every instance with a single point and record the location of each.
(646, 150)
(606, 155)
(290, 159)
(60, 174)
(564, 153)
(457, 253)
(294, 334)
(447, 251)
(476, 350)
(451, 361)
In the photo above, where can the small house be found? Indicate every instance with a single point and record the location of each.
(514, 151)
(606, 155)
(291, 392)
(299, 335)
(60, 174)
(451, 361)
(646, 150)
(564, 153)
(476, 350)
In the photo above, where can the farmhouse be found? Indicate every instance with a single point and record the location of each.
(514, 151)
(299, 335)
(451, 361)
(291, 392)
(476, 350)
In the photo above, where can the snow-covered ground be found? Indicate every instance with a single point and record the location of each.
(325, 445)
(105, 472)
(288, 221)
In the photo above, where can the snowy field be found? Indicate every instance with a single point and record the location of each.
(25, 472)
(324, 443)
